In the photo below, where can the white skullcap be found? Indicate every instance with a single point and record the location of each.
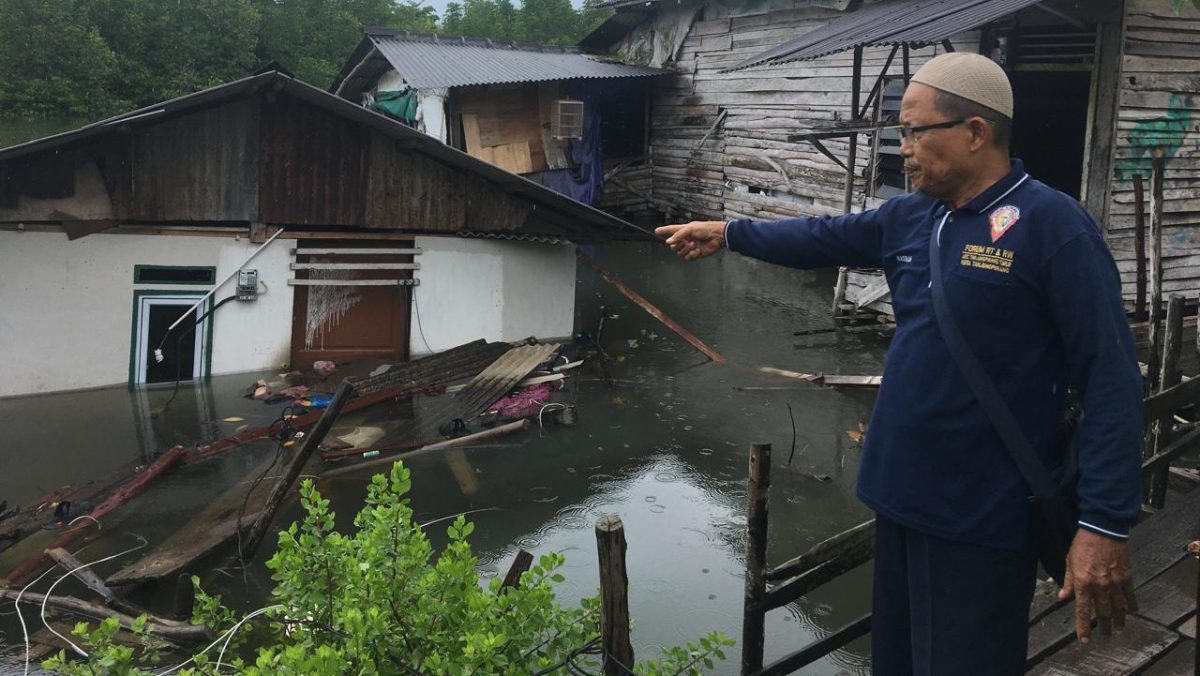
(973, 77)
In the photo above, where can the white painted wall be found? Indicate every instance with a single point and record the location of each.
(66, 308)
(493, 289)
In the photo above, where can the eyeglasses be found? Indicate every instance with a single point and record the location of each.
(910, 133)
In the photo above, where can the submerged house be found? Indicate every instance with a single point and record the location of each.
(572, 121)
(783, 107)
(318, 230)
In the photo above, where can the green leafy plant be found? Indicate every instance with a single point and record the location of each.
(381, 601)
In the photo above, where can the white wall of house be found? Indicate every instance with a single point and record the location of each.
(68, 313)
(498, 290)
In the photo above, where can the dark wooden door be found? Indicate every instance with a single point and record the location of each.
(347, 303)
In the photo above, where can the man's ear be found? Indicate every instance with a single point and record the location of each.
(981, 132)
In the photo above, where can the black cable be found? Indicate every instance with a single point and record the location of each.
(281, 437)
(179, 345)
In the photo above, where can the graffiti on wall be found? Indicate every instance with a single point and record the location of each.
(1157, 137)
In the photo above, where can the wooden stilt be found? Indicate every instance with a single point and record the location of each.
(1169, 376)
(520, 564)
(1139, 248)
(1156, 269)
(614, 596)
(758, 487)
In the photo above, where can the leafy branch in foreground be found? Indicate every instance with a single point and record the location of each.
(379, 601)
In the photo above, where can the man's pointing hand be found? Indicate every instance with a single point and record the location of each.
(694, 240)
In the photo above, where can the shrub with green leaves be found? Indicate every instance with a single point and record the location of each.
(379, 601)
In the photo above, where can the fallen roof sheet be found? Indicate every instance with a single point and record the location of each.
(912, 22)
(430, 61)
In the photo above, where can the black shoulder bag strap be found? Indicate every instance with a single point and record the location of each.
(1036, 476)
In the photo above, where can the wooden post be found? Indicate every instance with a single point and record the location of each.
(758, 487)
(257, 531)
(1156, 269)
(852, 158)
(1169, 376)
(614, 596)
(1139, 248)
(839, 291)
(520, 564)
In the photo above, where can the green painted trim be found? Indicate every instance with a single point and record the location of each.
(139, 270)
(138, 294)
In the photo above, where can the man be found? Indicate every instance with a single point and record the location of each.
(1035, 292)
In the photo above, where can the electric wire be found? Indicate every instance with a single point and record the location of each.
(46, 596)
(417, 314)
(189, 660)
(179, 346)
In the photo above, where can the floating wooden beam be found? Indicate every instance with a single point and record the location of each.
(652, 310)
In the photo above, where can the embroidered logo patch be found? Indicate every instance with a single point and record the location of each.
(1002, 219)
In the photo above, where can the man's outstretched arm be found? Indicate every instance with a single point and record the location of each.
(827, 241)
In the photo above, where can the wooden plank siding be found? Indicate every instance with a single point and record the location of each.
(198, 167)
(311, 166)
(1159, 112)
(746, 167)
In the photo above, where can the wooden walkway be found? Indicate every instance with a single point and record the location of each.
(1160, 639)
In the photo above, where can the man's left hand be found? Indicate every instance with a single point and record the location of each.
(1101, 579)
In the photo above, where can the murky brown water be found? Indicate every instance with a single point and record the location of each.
(665, 449)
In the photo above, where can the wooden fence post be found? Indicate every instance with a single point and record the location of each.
(1169, 376)
(1139, 248)
(758, 488)
(614, 596)
(1156, 269)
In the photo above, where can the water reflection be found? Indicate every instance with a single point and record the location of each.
(663, 446)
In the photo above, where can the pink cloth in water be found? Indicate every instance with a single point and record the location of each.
(523, 403)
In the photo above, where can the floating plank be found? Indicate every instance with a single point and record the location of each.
(179, 553)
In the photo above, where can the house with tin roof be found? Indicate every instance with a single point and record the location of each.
(263, 223)
(572, 121)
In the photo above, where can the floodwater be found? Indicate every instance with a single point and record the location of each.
(664, 447)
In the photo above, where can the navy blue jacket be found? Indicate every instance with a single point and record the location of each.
(1035, 292)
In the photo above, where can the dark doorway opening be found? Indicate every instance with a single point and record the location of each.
(179, 350)
(1050, 110)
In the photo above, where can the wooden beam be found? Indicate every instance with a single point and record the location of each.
(758, 487)
(1139, 250)
(652, 310)
(314, 438)
(1156, 267)
(852, 156)
(819, 648)
(878, 86)
(825, 551)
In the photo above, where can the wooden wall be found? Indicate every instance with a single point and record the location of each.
(1160, 113)
(198, 167)
(746, 167)
(502, 125)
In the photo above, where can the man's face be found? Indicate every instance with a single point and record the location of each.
(936, 161)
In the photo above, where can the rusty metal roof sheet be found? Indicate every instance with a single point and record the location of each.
(912, 22)
(428, 61)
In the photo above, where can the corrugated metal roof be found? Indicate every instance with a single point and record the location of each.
(913, 22)
(427, 61)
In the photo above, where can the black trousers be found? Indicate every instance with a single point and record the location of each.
(945, 608)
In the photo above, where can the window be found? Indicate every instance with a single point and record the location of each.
(887, 167)
(568, 119)
(173, 274)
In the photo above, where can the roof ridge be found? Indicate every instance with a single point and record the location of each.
(378, 32)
